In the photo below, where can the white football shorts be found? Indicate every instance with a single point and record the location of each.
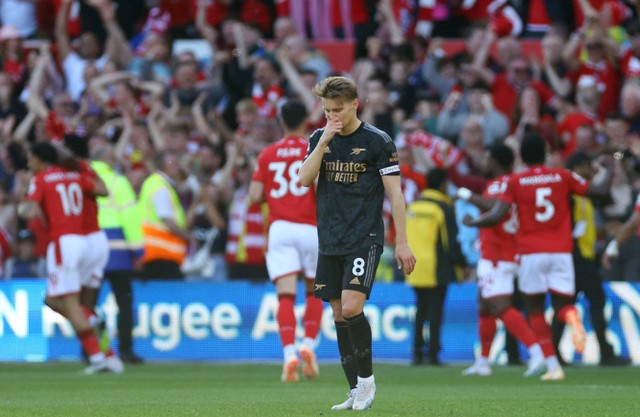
(542, 272)
(496, 278)
(292, 249)
(92, 266)
(64, 259)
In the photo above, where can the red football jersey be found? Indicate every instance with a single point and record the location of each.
(498, 243)
(59, 193)
(278, 167)
(544, 215)
(607, 79)
(90, 210)
(630, 65)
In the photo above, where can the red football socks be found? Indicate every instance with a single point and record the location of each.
(286, 319)
(312, 316)
(487, 331)
(516, 324)
(89, 342)
(543, 333)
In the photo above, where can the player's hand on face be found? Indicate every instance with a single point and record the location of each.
(405, 258)
(333, 126)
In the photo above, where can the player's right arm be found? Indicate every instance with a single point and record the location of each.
(256, 186)
(483, 203)
(256, 193)
(490, 218)
(625, 232)
(30, 208)
(311, 165)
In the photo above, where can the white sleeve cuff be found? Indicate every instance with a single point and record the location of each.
(464, 193)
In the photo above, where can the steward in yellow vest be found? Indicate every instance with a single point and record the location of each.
(163, 221)
(119, 217)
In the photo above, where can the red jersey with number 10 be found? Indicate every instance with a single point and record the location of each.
(542, 198)
(278, 167)
(498, 243)
(59, 193)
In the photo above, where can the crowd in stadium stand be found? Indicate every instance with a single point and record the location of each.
(204, 79)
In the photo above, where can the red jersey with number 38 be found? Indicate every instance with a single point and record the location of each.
(542, 198)
(59, 193)
(278, 167)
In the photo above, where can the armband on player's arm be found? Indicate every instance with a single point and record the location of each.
(612, 249)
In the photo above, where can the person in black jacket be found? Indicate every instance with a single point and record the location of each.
(432, 231)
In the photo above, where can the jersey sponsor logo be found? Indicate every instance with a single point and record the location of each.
(318, 287)
(344, 172)
(357, 151)
(390, 170)
(355, 281)
(496, 188)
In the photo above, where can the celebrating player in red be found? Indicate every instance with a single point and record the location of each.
(293, 237)
(544, 241)
(497, 270)
(57, 194)
(95, 260)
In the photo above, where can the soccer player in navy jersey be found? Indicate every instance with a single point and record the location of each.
(355, 164)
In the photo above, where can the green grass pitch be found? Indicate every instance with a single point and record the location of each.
(211, 389)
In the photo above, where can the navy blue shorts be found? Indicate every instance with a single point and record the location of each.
(355, 271)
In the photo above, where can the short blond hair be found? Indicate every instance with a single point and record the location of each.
(246, 105)
(336, 88)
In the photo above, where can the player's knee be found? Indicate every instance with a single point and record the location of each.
(351, 310)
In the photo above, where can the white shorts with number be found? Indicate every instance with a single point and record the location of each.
(292, 248)
(92, 267)
(541, 272)
(496, 279)
(64, 260)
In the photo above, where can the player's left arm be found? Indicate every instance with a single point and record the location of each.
(404, 256)
(99, 187)
(66, 159)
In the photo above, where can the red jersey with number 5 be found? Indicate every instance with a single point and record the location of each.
(59, 193)
(544, 215)
(278, 167)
